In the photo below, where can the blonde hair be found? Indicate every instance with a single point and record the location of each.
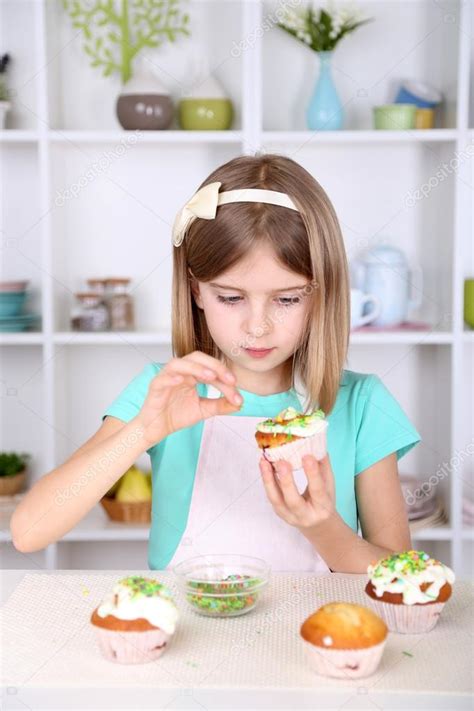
(308, 243)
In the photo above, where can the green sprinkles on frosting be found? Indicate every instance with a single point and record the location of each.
(297, 420)
(408, 562)
(148, 587)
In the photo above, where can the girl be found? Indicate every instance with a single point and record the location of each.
(260, 323)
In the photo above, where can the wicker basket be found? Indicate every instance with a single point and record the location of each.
(133, 512)
(10, 485)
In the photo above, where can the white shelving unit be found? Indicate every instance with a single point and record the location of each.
(64, 115)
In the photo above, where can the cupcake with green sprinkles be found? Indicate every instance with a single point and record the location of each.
(232, 596)
(291, 435)
(408, 590)
(135, 621)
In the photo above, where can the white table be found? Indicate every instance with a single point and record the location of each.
(51, 658)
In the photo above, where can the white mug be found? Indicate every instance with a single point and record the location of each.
(358, 301)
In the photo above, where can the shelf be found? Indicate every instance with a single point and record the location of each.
(361, 136)
(30, 338)
(116, 136)
(96, 526)
(437, 135)
(436, 533)
(77, 338)
(163, 338)
(122, 218)
(392, 337)
(17, 136)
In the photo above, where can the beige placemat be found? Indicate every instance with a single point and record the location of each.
(48, 640)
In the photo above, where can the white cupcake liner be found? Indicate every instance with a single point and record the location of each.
(344, 663)
(127, 647)
(406, 619)
(293, 452)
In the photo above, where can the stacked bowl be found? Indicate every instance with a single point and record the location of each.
(12, 299)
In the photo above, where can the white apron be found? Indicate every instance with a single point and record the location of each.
(230, 511)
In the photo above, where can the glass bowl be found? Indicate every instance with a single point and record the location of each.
(222, 585)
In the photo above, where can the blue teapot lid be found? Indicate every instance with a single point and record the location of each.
(386, 254)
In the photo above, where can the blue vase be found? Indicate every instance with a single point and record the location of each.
(325, 112)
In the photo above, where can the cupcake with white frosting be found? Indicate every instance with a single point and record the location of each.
(408, 590)
(290, 435)
(135, 622)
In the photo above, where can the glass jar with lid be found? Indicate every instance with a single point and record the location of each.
(98, 286)
(89, 313)
(120, 304)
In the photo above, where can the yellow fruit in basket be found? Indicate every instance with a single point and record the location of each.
(113, 489)
(134, 486)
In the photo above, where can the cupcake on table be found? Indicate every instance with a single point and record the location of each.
(408, 590)
(135, 621)
(343, 639)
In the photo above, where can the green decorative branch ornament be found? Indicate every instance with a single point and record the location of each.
(115, 31)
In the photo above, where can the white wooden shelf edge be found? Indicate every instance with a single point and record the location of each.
(163, 337)
(231, 136)
(362, 136)
(111, 531)
(170, 136)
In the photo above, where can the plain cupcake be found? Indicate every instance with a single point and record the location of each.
(291, 435)
(409, 590)
(344, 640)
(135, 622)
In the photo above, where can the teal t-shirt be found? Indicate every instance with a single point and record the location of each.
(365, 425)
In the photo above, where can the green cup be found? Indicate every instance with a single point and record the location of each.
(469, 302)
(394, 117)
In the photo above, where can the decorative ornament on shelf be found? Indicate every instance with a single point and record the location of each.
(207, 106)
(5, 104)
(321, 30)
(144, 103)
(13, 468)
(115, 33)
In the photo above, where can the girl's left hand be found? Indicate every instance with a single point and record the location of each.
(307, 510)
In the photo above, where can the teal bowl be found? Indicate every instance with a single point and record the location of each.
(11, 303)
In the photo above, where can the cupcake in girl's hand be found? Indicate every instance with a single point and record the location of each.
(291, 435)
(343, 639)
(135, 622)
(409, 590)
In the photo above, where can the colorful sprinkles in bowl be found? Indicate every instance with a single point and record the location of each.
(234, 595)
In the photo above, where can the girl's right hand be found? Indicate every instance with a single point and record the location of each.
(173, 402)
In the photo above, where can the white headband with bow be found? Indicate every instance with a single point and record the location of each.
(205, 202)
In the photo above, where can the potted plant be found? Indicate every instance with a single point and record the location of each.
(5, 104)
(115, 33)
(322, 30)
(12, 472)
